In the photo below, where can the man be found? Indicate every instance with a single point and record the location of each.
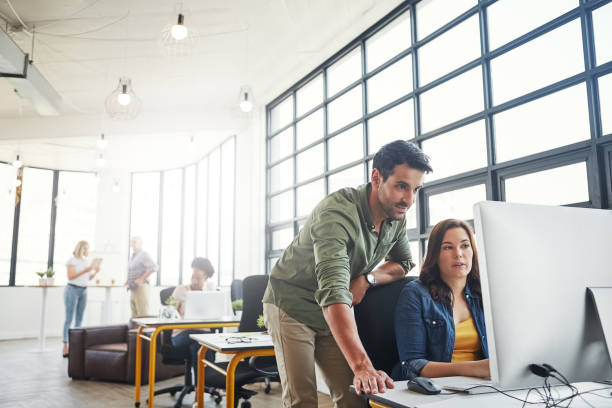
(140, 267)
(328, 267)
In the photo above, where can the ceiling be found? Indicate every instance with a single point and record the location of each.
(82, 47)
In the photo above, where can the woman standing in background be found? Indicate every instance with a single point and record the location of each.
(75, 294)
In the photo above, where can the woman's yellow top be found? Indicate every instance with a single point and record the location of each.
(467, 343)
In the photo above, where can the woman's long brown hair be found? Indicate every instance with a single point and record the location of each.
(430, 271)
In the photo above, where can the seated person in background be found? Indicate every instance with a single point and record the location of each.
(202, 271)
(439, 320)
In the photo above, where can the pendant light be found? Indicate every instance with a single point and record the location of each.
(123, 103)
(246, 98)
(17, 163)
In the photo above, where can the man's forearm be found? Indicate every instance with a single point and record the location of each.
(341, 321)
(389, 272)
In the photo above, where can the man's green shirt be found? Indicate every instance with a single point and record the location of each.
(337, 244)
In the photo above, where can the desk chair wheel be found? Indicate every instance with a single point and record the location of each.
(137, 404)
(172, 393)
(218, 399)
(267, 389)
(245, 404)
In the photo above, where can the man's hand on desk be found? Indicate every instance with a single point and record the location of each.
(370, 381)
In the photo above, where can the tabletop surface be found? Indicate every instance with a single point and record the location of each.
(235, 341)
(156, 321)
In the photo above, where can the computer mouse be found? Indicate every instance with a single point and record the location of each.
(423, 385)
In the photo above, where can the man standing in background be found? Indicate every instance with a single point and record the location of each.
(140, 267)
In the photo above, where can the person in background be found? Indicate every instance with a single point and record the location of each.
(439, 319)
(202, 271)
(140, 267)
(80, 272)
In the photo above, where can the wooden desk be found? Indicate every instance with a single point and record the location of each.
(43, 313)
(261, 345)
(402, 397)
(167, 324)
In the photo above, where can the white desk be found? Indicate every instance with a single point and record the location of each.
(43, 313)
(402, 397)
(106, 311)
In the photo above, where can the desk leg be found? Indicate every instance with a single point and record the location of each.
(152, 356)
(138, 374)
(230, 379)
(201, 379)
(106, 316)
(41, 334)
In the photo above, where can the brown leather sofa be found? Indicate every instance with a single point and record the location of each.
(109, 353)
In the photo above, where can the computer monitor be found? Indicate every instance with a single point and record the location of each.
(536, 263)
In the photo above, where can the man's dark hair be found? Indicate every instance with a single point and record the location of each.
(204, 265)
(400, 152)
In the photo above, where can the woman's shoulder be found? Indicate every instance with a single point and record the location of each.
(415, 286)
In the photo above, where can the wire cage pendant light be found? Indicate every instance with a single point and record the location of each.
(123, 103)
(177, 40)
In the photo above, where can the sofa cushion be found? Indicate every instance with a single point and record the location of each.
(119, 347)
(105, 364)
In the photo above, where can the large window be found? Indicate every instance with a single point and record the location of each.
(8, 177)
(511, 99)
(190, 212)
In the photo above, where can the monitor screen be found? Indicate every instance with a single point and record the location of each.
(536, 263)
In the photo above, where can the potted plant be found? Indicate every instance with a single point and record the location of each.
(169, 310)
(50, 276)
(237, 307)
(42, 281)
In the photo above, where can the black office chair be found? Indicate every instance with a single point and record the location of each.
(236, 289)
(375, 317)
(175, 356)
(257, 368)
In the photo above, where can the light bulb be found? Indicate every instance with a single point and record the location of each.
(179, 32)
(246, 103)
(102, 142)
(17, 183)
(17, 163)
(124, 99)
(116, 187)
(246, 106)
(100, 162)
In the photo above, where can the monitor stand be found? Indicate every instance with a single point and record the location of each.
(602, 298)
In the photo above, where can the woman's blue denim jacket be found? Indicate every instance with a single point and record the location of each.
(425, 330)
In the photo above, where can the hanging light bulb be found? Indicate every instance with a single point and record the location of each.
(100, 162)
(124, 97)
(123, 103)
(246, 99)
(102, 142)
(17, 163)
(116, 187)
(17, 182)
(179, 31)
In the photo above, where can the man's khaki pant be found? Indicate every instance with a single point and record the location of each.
(139, 300)
(298, 348)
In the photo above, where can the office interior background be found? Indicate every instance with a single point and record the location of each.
(511, 99)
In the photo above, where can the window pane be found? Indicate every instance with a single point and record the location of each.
(509, 19)
(272, 262)
(345, 109)
(214, 220)
(226, 263)
(34, 225)
(281, 115)
(310, 163)
(433, 14)
(310, 129)
(76, 201)
(171, 227)
(393, 124)
(457, 151)
(308, 196)
(605, 103)
(552, 121)
(282, 238)
(8, 175)
(414, 249)
(455, 204)
(344, 72)
(351, 177)
(281, 145)
(202, 207)
(345, 147)
(309, 96)
(281, 175)
(602, 28)
(388, 42)
(562, 185)
(189, 222)
(547, 59)
(281, 207)
(411, 217)
(390, 84)
(454, 48)
(144, 219)
(452, 100)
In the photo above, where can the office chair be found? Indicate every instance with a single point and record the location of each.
(257, 368)
(236, 289)
(176, 356)
(375, 318)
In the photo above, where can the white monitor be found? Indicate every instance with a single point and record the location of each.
(207, 304)
(536, 263)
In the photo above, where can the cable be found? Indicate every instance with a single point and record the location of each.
(70, 15)
(16, 15)
(120, 19)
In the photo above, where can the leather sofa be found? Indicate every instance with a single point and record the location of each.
(109, 353)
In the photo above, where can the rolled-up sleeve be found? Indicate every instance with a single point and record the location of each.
(330, 234)
(410, 334)
(400, 252)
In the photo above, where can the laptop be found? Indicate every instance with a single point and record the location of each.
(207, 304)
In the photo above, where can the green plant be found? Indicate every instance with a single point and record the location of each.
(171, 301)
(41, 274)
(50, 273)
(237, 305)
(260, 322)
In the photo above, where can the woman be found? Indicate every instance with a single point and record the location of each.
(75, 294)
(439, 321)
